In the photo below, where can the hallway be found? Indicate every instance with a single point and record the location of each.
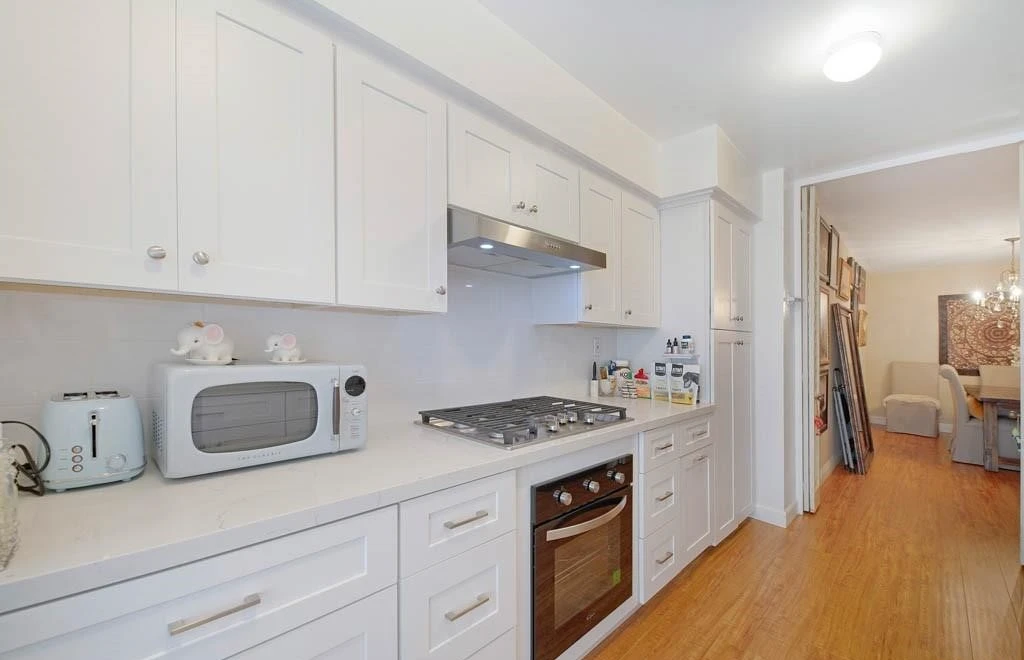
(917, 560)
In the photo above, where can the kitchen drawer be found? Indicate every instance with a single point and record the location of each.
(696, 434)
(438, 526)
(365, 630)
(452, 610)
(660, 490)
(503, 648)
(246, 596)
(661, 559)
(660, 446)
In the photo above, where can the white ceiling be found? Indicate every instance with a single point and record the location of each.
(956, 209)
(952, 70)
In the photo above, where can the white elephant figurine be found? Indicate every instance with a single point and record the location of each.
(285, 348)
(204, 341)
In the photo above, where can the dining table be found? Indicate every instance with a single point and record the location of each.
(995, 398)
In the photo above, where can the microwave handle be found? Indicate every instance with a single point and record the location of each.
(336, 408)
(590, 525)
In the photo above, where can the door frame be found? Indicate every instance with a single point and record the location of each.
(799, 369)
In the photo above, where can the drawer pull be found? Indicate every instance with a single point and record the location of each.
(458, 614)
(664, 497)
(701, 433)
(700, 459)
(668, 555)
(667, 445)
(455, 524)
(184, 625)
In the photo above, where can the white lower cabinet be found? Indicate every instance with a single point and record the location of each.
(659, 489)
(661, 559)
(503, 648)
(457, 607)
(732, 429)
(366, 630)
(696, 476)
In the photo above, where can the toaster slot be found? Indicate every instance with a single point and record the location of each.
(94, 422)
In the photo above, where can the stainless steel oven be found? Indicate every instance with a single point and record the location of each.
(582, 553)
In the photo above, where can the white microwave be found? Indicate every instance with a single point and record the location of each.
(214, 418)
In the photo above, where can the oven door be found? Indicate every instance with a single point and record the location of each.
(582, 571)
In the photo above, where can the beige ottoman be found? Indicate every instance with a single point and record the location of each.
(916, 414)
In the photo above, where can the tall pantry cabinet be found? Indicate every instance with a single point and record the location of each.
(732, 353)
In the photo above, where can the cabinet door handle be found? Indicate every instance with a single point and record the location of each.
(184, 625)
(667, 494)
(455, 615)
(533, 209)
(668, 555)
(520, 206)
(739, 343)
(156, 252)
(587, 308)
(629, 312)
(441, 290)
(455, 524)
(200, 257)
(667, 445)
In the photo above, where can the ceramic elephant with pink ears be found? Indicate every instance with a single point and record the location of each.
(284, 348)
(204, 342)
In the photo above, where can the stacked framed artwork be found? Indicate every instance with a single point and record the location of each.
(851, 410)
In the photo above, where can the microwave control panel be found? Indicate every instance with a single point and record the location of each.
(353, 427)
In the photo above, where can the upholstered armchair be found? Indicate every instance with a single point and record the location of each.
(967, 444)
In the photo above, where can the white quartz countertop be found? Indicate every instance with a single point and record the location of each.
(88, 538)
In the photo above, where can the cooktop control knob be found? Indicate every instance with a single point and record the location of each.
(618, 477)
(592, 485)
(564, 497)
(116, 462)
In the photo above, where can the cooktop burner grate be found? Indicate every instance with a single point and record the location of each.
(520, 421)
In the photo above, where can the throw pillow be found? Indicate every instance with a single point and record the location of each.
(975, 407)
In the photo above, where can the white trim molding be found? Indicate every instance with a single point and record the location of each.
(880, 420)
(774, 516)
(705, 194)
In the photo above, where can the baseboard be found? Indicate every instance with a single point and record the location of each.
(771, 515)
(792, 511)
(829, 468)
(879, 420)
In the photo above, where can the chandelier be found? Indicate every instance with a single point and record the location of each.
(1004, 300)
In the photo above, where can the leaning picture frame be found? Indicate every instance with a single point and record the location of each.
(824, 349)
(833, 259)
(824, 249)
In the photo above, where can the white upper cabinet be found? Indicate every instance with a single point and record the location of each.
(493, 172)
(255, 153)
(640, 263)
(87, 161)
(392, 203)
(600, 222)
(730, 271)
(481, 157)
(550, 187)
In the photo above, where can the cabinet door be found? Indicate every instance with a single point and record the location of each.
(741, 282)
(743, 432)
(721, 269)
(600, 221)
(87, 176)
(697, 497)
(481, 160)
(551, 188)
(724, 505)
(366, 630)
(392, 231)
(255, 153)
(640, 263)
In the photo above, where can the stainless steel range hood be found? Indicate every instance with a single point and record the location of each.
(479, 241)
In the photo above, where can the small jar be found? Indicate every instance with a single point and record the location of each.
(8, 504)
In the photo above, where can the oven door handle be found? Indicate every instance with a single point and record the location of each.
(590, 525)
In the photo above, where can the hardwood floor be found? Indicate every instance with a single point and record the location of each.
(920, 559)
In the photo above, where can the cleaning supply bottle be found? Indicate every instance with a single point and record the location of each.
(8, 501)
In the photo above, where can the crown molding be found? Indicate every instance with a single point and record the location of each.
(708, 194)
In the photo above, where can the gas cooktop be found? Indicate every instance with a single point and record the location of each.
(520, 422)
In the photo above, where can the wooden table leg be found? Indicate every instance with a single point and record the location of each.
(990, 432)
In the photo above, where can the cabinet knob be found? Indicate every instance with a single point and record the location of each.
(441, 290)
(587, 308)
(200, 257)
(533, 209)
(520, 206)
(736, 318)
(629, 312)
(156, 252)
(739, 343)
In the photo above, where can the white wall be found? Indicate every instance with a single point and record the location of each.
(903, 322)
(704, 159)
(485, 348)
(770, 467)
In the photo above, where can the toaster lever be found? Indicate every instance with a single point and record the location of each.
(94, 422)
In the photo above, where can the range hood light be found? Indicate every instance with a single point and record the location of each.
(575, 266)
(486, 246)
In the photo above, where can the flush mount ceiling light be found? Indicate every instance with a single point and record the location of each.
(853, 57)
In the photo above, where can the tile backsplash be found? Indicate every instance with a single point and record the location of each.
(484, 348)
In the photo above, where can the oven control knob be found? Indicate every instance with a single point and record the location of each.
(564, 497)
(592, 485)
(617, 476)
